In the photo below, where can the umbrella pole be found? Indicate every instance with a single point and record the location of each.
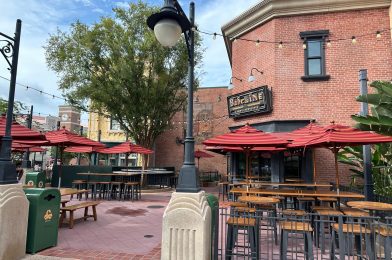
(314, 165)
(61, 165)
(198, 163)
(335, 152)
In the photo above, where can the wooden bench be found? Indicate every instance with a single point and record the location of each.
(72, 208)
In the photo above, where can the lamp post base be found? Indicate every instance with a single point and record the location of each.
(188, 180)
(186, 227)
(7, 172)
(14, 209)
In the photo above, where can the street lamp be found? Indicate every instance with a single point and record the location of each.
(251, 77)
(168, 24)
(9, 48)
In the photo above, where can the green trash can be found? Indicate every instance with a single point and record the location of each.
(35, 179)
(43, 222)
(213, 202)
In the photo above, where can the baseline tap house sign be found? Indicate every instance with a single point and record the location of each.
(251, 102)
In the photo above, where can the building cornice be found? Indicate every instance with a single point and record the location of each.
(267, 10)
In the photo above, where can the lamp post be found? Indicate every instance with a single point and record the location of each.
(168, 24)
(9, 48)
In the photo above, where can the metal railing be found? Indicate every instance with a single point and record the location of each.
(246, 233)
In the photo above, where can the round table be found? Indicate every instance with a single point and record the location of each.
(370, 205)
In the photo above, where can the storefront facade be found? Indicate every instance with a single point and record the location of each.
(310, 54)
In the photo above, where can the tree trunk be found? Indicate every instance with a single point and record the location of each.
(144, 167)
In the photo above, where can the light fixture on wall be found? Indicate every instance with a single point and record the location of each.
(251, 77)
(231, 86)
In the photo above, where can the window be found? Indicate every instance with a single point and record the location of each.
(114, 125)
(314, 55)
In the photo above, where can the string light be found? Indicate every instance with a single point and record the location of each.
(304, 45)
(280, 45)
(235, 40)
(329, 43)
(378, 34)
(257, 42)
(214, 37)
(353, 40)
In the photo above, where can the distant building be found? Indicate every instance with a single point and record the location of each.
(69, 118)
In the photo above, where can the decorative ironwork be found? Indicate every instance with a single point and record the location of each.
(7, 48)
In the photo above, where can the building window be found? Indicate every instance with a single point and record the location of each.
(314, 55)
(114, 125)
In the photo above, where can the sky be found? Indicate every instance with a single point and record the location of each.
(40, 18)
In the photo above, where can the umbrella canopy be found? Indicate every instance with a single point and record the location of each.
(247, 138)
(201, 154)
(83, 149)
(337, 136)
(64, 138)
(17, 147)
(20, 132)
(126, 147)
(226, 149)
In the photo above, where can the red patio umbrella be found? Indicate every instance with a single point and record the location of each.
(63, 138)
(336, 136)
(246, 138)
(84, 149)
(127, 148)
(201, 154)
(16, 147)
(299, 137)
(20, 132)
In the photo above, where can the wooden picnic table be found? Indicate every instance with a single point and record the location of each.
(297, 193)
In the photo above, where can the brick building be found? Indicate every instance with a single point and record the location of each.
(210, 119)
(310, 53)
(69, 118)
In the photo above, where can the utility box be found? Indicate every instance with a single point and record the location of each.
(213, 202)
(44, 211)
(35, 179)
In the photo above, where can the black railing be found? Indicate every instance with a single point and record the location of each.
(377, 197)
(246, 233)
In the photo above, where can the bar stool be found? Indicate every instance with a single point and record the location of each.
(248, 225)
(296, 227)
(79, 185)
(324, 216)
(345, 234)
(131, 190)
(305, 203)
(104, 189)
(294, 212)
(93, 186)
(115, 190)
(223, 190)
(325, 200)
(385, 233)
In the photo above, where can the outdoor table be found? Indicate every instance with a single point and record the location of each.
(289, 184)
(370, 205)
(69, 191)
(295, 193)
(258, 200)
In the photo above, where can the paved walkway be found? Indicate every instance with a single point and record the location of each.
(124, 230)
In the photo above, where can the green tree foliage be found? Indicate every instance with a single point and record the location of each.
(379, 121)
(18, 106)
(120, 67)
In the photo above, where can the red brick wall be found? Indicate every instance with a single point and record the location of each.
(212, 103)
(332, 100)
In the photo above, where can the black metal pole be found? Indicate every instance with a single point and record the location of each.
(8, 173)
(367, 154)
(26, 156)
(189, 176)
(79, 154)
(96, 154)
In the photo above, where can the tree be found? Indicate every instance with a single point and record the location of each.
(18, 106)
(379, 121)
(121, 68)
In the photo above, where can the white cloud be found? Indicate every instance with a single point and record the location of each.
(41, 18)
